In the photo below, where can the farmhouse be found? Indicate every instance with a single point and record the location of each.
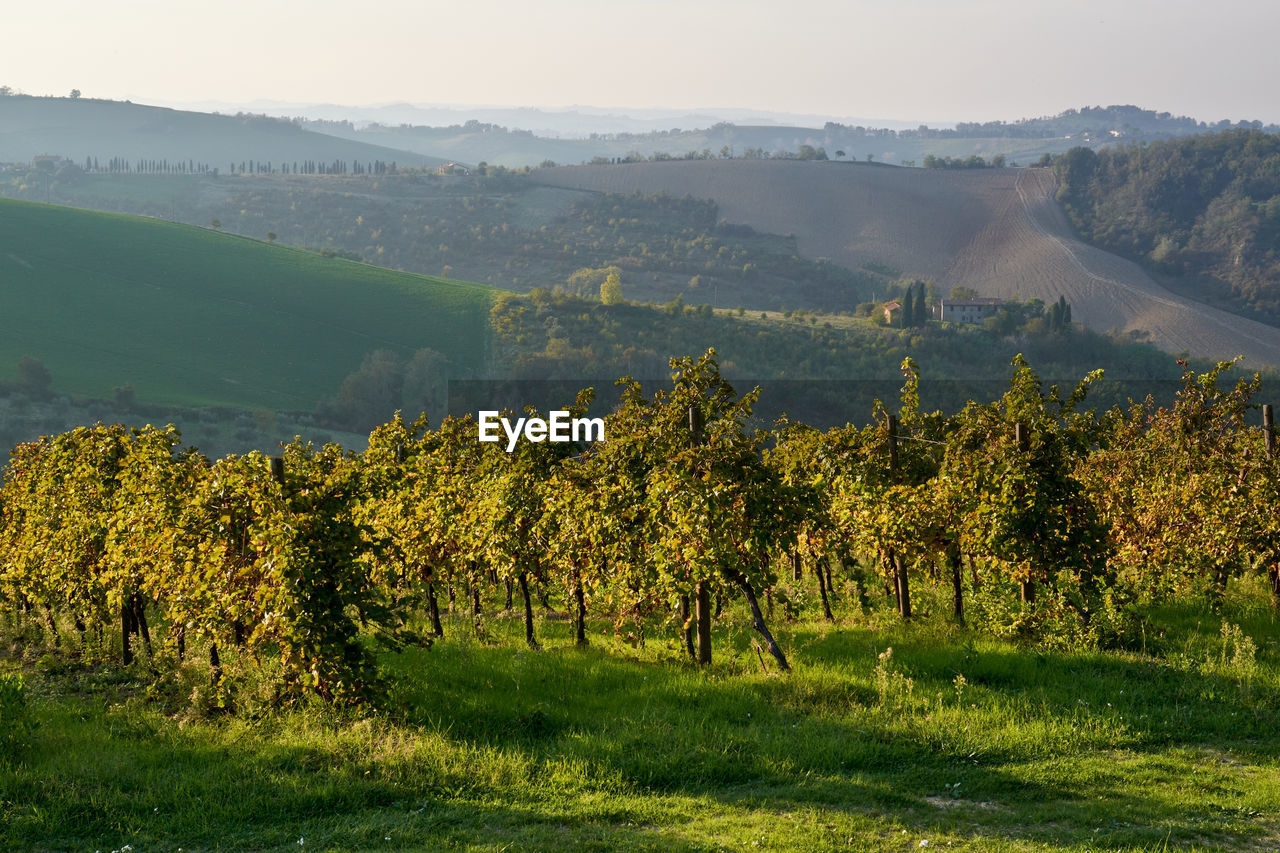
(889, 308)
(968, 310)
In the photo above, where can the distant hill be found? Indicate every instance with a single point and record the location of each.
(998, 231)
(85, 128)
(1022, 141)
(476, 141)
(577, 122)
(1113, 122)
(191, 316)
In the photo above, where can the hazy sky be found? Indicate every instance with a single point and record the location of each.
(894, 59)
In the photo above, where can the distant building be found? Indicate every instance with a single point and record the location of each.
(889, 308)
(452, 169)
(968, 310)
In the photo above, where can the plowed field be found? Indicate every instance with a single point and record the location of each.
(997, 231)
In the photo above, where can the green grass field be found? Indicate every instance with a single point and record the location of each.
(952, 741)
(192, 316)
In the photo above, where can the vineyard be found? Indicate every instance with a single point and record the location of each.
(1042, 521)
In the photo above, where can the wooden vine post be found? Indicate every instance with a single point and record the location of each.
(1269, 429)
(901, 584)
(702, 595)
(126, 626)
(1023, 438)
(1269, 439)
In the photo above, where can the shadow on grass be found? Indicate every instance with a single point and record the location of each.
(498, 747)
(1049, 747)
(98, 778)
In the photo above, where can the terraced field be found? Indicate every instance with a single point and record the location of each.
(997, 231)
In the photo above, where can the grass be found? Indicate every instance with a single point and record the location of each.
(195, 317)
(953, 739)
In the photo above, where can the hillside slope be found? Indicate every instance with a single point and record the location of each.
(191, 316)
(998, 231)
(82, 128)
(1027, 248)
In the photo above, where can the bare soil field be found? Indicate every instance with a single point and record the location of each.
(998, 231)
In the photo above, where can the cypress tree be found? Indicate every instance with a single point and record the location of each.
(908, 311)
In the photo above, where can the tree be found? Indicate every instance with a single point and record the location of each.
(426, 384)
(922, 308)
(368, 395)
(124, 396)
(611, 290)
(215, 224)
(586, 282)
(908, 310)
(34, 379)
(75, 94)
(1059, 315)
(271, 236)
(1074, 170)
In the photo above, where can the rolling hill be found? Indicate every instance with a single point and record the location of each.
(80, 128)
(475, 142)
(491, 135)
(188, 317)
(998, 231)
(196, 317)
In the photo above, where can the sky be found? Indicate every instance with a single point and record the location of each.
(925, 60)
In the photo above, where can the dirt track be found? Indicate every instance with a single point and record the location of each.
(997, 231)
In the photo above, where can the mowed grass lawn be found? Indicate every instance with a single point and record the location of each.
(952, 741)
(196, 317)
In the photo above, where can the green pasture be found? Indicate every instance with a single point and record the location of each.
(192, 316)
